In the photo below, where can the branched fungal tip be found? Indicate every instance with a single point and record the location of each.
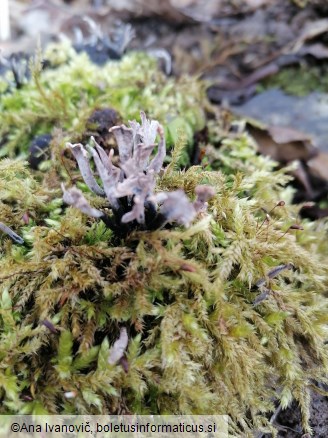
(134, 180)
(11, 234)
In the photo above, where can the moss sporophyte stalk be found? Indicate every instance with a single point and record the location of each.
(129, 277)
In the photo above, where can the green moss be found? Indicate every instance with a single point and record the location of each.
(185, 296)
(299, 81)
(320, 4)
(63, 98)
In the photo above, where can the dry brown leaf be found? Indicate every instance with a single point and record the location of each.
(256, 3)
(282, 134)
(306, 115)
(311, 30)
(301, 175)
(319, 166)
(282, 144)
(318, 50)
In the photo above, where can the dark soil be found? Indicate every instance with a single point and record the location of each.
(288, 422)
